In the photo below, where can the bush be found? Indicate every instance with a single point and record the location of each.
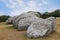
(55, 13)
(3, 18)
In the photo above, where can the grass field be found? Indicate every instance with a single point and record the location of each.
(7, 32)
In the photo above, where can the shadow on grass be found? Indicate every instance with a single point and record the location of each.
(10, 27)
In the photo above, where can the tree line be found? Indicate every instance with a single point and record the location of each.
(55, 13)
(3, 18)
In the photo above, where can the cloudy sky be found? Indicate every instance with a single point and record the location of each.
(16, 7)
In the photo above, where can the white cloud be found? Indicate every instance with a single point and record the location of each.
(52, 9)
(19, 6)
(31, 6)
(26, 9)
(44, 1)
(1, 13)
(40, 4)
(13, 3)
(32, 9)
(16, 12)
(32, 3)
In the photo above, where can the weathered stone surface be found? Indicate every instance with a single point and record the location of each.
(14, 23)
(9, 21)
(53, 20)
(35, 26)
(25, 23)
(41, 27)
(23, 16)
(35, 13)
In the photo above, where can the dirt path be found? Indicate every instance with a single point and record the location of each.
(7, 33)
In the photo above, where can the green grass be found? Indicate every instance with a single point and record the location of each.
(44, 38)
(10, 27)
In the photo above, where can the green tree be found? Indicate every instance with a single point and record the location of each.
(3, 18)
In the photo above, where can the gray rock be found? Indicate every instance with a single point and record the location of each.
(23, 16)
(14, 23)
(53, 19)
(35, 13)
(40, 28)
(35, 26)
(23, 24)
(9, 20)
